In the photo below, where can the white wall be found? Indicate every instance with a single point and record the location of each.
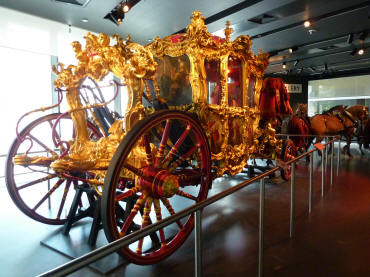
(26, 32)
(26, 45)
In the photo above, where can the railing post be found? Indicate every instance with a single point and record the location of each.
(198, 244)
(311, 184)
(326, 154)
(331, 162)
(261, 226)
(338, 157)
(49, 198)
(292, 192)
(322, 172)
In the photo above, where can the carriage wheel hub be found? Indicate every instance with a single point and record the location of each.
(159, 182)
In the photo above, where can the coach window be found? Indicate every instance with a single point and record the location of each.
(212, 68)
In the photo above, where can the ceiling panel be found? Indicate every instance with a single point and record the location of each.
(277, 26)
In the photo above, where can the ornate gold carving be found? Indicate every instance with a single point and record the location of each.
(232, 131)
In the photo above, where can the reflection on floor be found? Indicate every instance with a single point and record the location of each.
(331, 241)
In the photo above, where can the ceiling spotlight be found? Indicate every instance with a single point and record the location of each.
(350, 38)
(85, 20)
(115, 16)
(361, 51)
(293, 49)
(307, 23)
(284, 65)
(125, 7)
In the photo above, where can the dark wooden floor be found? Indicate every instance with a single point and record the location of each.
(333, 240)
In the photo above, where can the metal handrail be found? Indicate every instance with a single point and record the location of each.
(103, 251)
(124, 241)
(298, 135)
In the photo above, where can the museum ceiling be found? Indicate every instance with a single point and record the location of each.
(328, 47)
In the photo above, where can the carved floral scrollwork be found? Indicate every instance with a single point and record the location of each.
(232, 131)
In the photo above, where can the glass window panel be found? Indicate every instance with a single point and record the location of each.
(212, 68)
(234, 82)
(251, 89)
(152, 93)
(327, 93)
(172, 77)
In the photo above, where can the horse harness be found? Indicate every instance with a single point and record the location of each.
(349, 116)
(341, 116)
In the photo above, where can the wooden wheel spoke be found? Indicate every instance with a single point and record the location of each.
(126, 194)
(42, 144)
(34, 182)
(47, 195)
(139, 203)
(186, 195)
(158, 214)
(181, 159)
(148, 150)
(189, 178)
(145, 221)
(177, 145)
(163, 143)
(66, 190)
(134, 170)
(168, 206)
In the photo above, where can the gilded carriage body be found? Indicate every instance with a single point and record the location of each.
(225, 79)
(192, 115)
(217, 79)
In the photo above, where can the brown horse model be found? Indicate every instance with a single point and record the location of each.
(336, 121)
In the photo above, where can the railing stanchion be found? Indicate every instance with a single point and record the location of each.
(338, 157)
(198, 244)
(331, 161)
(261, 226)
(322, 172)
(292, 192)
(103, 251)
(326, 154)
(311, 184)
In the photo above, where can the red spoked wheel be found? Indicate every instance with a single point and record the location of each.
(289, 151)
(172, 174)
(35, 189)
